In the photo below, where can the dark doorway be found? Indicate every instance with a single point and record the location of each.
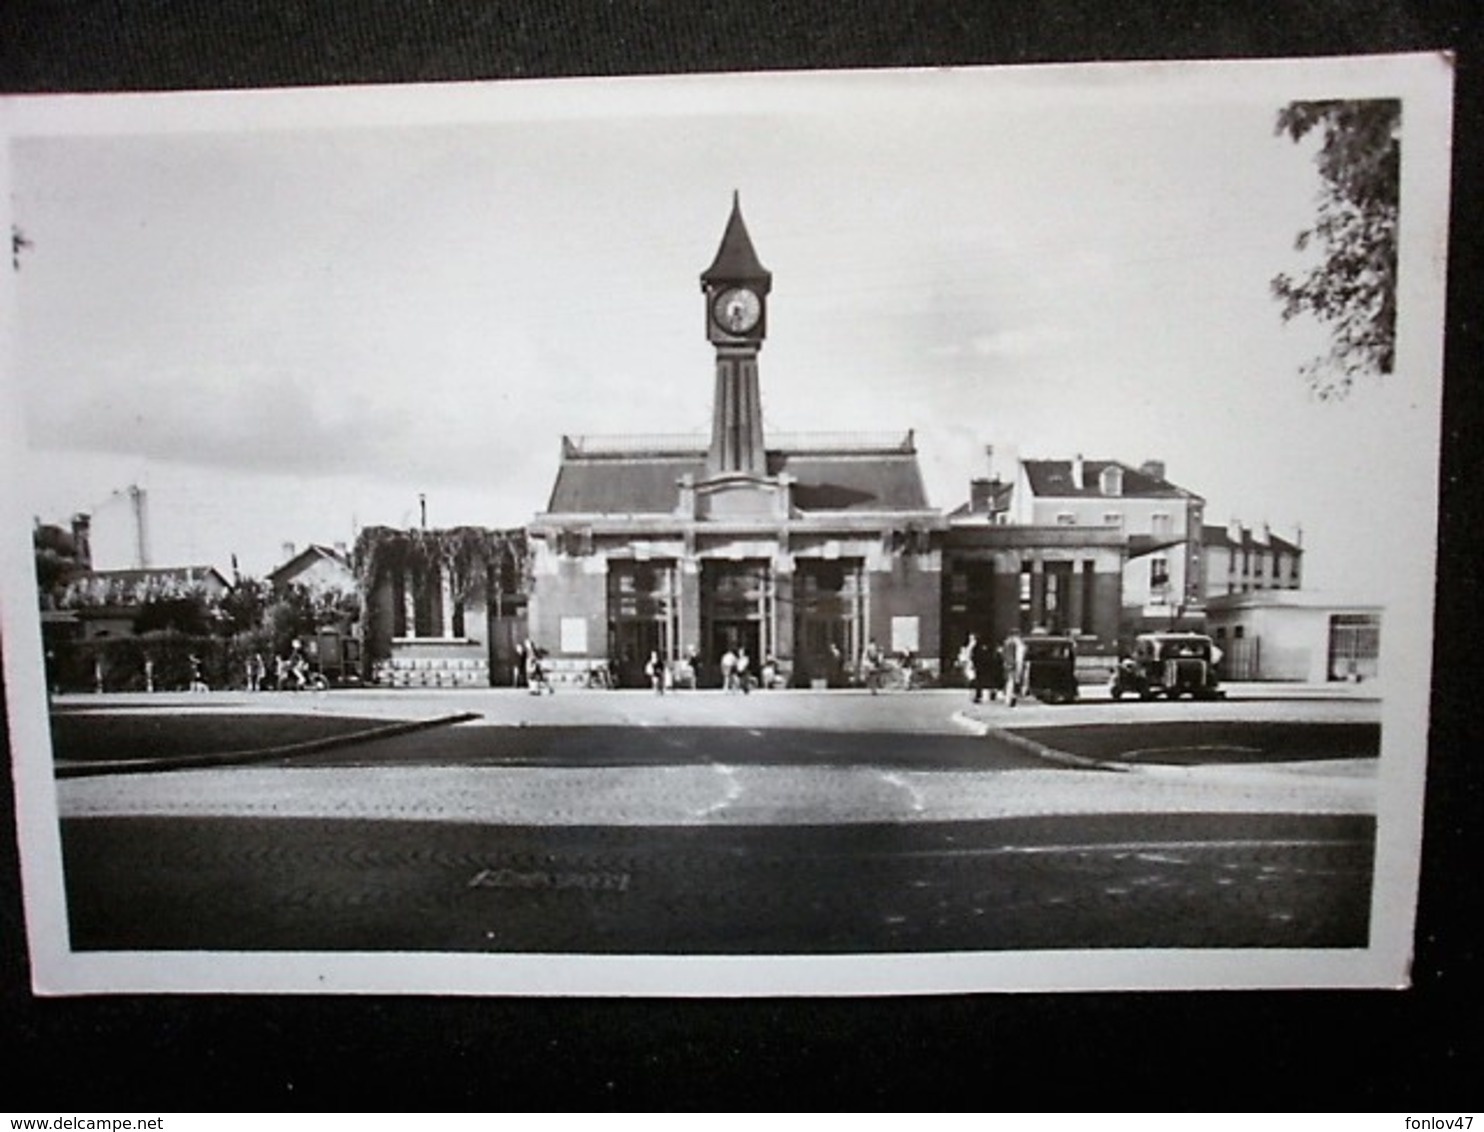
(736, 610)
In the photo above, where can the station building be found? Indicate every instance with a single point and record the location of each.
(799, 549)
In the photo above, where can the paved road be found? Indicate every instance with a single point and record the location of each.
(700, 824)
(1050, 882)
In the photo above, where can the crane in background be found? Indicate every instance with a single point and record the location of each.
(138, 500)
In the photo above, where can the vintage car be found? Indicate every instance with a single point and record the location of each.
(1170, 665)
(1046, 668)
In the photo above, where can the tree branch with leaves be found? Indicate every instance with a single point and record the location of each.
(1353, 289)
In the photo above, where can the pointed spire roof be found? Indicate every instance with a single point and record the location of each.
(736, 261)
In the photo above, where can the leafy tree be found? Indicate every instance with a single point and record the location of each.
(1354, 288)
(242, 607)
(57, 563)
(189, 614)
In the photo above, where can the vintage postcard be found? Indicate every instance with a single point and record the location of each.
(883, 532)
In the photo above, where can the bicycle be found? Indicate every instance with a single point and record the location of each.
(896, 676)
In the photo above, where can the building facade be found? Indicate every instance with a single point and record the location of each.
(1242, 560)
(795, 550)
(1302, 635)
(322, 570)
(1159, 522)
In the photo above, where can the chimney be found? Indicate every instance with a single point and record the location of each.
(1077, 471)
(288, 551)
(1267, 534)
(981, 496)
(1234, 531)
(1154, 469)
(340, 550)
(1298, 536)
(82, 539)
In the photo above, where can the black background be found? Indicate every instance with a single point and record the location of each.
(1417, 1050)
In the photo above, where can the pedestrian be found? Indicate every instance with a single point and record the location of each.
(965, 663)
(871, 664)
(655, 670)
(744, 679)
(256, 669)
(982, 659)
(1013, 658)
(536, 678)
(769, 672)
(836, 675)
(197, 683)
(729, 671)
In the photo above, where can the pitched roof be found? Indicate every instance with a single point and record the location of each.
(305, 558)
(1221, 537)
(735, 258)
(828, 476)
(1053, 478)
(159, 575)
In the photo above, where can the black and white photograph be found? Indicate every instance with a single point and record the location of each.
(826, 533)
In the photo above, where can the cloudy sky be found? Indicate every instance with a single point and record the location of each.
(287, 315)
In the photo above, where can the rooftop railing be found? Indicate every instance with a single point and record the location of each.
(690, 444)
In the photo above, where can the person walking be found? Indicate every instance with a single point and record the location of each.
(729, 671)
(744, 678)
(1013, 658)
(256, 670)
(536, 678)
(655, 670)
(983, 657)
(965, 662)
(197, 683)
(871, 665)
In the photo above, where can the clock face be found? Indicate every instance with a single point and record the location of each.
(737, 310)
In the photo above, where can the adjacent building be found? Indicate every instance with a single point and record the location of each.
(1242, 560)
(1159, 521)
(319, 569)
(1291, 634)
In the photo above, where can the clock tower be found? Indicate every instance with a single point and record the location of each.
(736, 287)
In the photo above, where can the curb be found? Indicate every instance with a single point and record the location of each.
(77, 768)
(1031, 747)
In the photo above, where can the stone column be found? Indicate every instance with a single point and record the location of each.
(688, 603)
(445, 600)
(1075, 618)
(409, 602)
(783, 606)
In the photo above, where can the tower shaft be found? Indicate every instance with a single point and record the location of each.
(737, 416)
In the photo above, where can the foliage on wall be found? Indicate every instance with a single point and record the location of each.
(479, 562)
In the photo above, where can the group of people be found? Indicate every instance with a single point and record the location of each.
(290, 671)
(984, 666)
(531, 669)
(736, 671)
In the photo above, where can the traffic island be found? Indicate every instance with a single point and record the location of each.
(343, 733)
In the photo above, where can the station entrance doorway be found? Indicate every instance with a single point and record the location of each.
(737, 602)
(829, 618)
